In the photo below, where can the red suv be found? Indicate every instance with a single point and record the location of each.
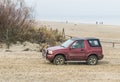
(75, 50)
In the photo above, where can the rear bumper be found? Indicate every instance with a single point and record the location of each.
(101, 57)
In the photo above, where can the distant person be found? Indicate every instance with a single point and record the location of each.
(101, 23)
(96, 22)
(66, 21)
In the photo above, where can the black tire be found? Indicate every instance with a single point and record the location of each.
(92, 60)
(59, 60)
(51, 61)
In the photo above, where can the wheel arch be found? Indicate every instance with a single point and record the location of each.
(61, 55)
(93, 54)
(90, 59)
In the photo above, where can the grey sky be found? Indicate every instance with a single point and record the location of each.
(75, 7)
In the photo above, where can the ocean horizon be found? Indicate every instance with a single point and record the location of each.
(78, 11)
(87, 19)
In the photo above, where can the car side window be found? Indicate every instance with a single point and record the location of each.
(78, 44)
(94, 43)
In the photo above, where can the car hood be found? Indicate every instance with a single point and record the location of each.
(55, 48)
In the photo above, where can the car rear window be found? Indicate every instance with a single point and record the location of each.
(94, 43)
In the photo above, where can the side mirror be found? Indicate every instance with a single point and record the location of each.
(70, 48)
(73, 46)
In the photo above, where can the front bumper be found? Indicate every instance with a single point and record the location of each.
(47, 56)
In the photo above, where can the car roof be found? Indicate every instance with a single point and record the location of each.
(84, 38)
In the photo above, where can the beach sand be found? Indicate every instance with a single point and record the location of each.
(29, 66)
(86, 30)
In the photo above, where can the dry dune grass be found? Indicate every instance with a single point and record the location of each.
(29, 66)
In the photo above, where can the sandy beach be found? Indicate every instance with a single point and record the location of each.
(29, 66)
(86, 30)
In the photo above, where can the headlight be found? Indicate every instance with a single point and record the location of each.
(50, 52)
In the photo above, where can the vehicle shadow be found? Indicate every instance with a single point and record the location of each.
(79, 63)
(103, 62)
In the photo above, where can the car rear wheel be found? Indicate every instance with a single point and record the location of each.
(59, 60)
(92, 60)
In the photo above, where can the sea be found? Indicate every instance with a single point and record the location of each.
(87, 19)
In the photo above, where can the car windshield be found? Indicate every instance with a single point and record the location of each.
(67, 43)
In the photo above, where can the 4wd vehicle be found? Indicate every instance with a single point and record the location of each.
(75, 49)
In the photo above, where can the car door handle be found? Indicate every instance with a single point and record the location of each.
(82, 50)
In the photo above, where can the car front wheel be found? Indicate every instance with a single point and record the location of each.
(59, 60)
(92, 60)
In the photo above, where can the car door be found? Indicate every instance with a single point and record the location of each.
(77, 50)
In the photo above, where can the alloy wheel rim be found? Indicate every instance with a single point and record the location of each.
(59, 61)
(92, 61)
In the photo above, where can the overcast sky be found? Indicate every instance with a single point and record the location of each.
(75, 7)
